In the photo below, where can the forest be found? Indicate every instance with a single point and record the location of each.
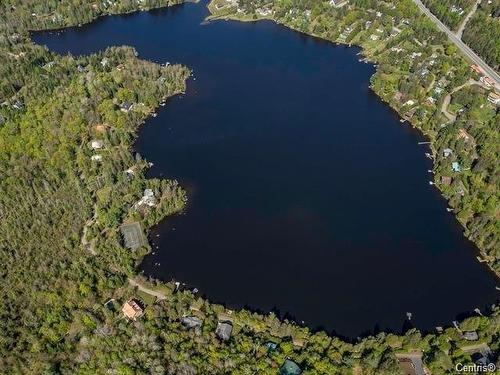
(482, 33)
(70, 179)
(451, 12)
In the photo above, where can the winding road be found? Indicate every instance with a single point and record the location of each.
(469, 53)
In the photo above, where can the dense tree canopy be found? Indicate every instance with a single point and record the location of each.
(482, 33)
(70, 179)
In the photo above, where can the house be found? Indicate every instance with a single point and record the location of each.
(289, 367)
(446, 180)
(481, 359)
(298, 341)
(18, 105)
(410, 102)
(191, 322)
(126, 106)
(480, 354)
(494, 98)
(455, 166)
(147, 199)
(460, 188)
(447, 152)
(476, 69)
(438, 90)
(470, 336)
(271, 346)
(97, 144)
(337, 3)
(462, 134)
(263, 12)
(49, 65)
(132, 310)
(99, 128)
(488, 82)
(223, 330)
(97, 158)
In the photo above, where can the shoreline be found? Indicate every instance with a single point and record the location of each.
(427, 134)
(356, 354)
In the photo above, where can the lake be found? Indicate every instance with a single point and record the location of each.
(307, 196)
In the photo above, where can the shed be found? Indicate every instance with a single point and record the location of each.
(132, 310)
(191, 321)
(290, 368)
(224, 330)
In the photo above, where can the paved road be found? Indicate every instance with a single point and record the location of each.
(470, 54)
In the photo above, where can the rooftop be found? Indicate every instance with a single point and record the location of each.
(224, 330)
(290, 368)
(191, 322)
(132, 310)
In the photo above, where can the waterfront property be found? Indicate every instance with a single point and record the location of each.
(132, 310)
(191, 322)
(313, 181)
(223, 330)
(289, 367)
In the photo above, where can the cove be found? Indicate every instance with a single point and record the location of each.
(306, 194)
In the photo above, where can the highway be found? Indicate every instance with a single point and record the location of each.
(469, 53)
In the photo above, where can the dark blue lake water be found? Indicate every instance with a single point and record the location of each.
(307, 195)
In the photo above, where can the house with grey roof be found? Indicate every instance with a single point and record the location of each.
(191, 321)
(470, 336)
(224, 330)
(289, 367)
(126, 106)
(447, 152)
